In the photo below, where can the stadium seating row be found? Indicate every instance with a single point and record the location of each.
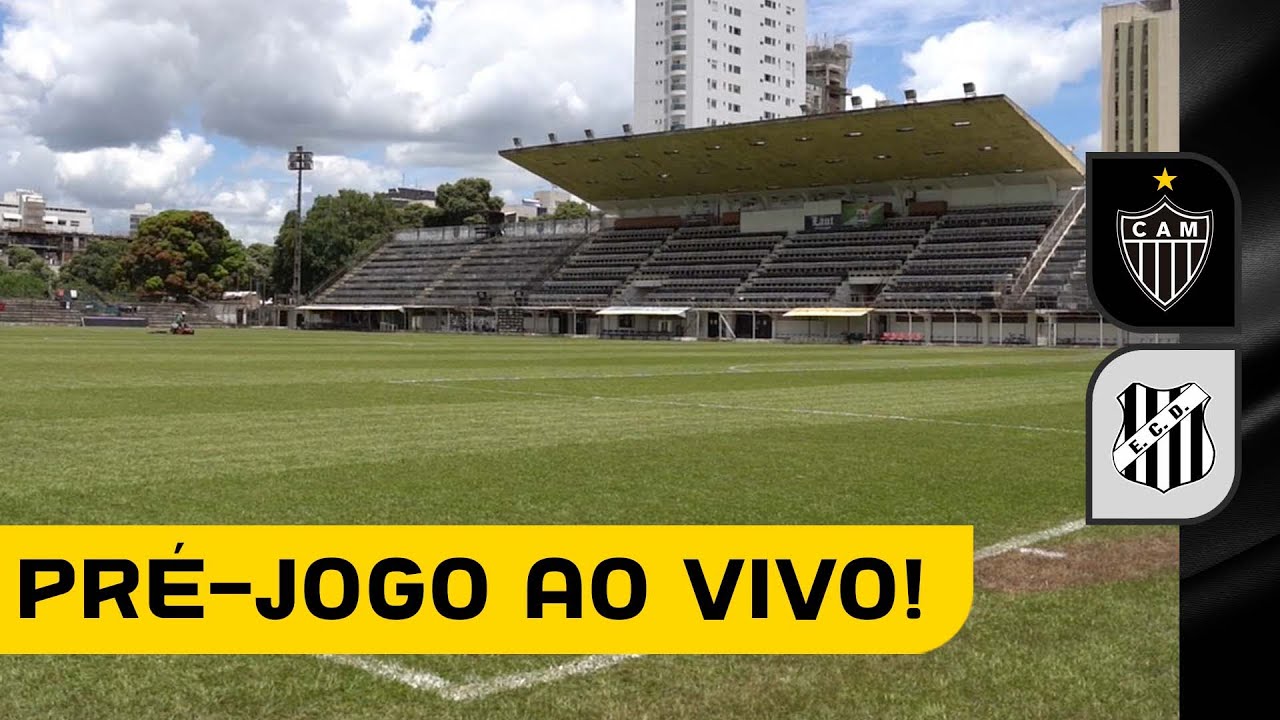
(963, 258)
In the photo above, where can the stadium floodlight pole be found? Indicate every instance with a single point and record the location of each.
(299, 160)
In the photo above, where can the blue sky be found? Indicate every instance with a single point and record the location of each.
(391, 91)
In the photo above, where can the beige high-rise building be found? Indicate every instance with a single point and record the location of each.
(1140, 77)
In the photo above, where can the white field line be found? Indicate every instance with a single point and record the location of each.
(762, 409)
(1040, 552)
(1035, 538)
(462, 692)
(731, 370)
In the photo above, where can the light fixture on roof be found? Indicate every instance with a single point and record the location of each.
(908, 128)
(960, 123)
(671, 152)
(970, 90)
(1017, 170)
(987, 148)
(803, 138)
(516, 141)
(713, 147)
(664, 176)
(960, 174)
(910, 95)
(773, 187)
(757, 143)
(551, 137)
(855, 102)
(833, 161)
(932, 153)
(632, 155)
(853, 134)
(882, 156)
(589, 133)
(626, 128)
(744, 168)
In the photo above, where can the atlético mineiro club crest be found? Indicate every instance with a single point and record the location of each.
(1162, 239)
(1163, 443)
(1165, 248)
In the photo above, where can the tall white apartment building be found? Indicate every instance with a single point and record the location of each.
(712, 62)
(1140, 77)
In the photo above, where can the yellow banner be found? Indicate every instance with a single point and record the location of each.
(483, 589)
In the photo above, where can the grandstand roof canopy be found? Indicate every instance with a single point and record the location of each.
(892, 145)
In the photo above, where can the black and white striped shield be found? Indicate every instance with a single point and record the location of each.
(1163, 442)
(1165, 248)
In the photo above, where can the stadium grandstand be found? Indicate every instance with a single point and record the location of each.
(956, 221)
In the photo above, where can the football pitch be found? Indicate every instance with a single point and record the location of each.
(276, 427)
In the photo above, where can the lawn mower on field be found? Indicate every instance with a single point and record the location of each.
(179, 326)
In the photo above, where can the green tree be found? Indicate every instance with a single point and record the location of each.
(182, 253)
(24, 274)
(335, 230)
(258, 270)
(99, 266)
(571, 210)
(415, 215)
(465, 199)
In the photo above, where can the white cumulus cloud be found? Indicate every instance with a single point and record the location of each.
(1027, 61)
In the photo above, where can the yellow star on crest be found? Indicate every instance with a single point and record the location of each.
(1166, 180)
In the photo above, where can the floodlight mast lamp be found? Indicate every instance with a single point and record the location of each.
(299, 160)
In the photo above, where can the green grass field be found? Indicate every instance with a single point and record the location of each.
(121, 426)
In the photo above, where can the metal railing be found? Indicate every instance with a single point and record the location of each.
(1047, 247)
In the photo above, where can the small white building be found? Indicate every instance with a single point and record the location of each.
(27, 210)
(237, 307)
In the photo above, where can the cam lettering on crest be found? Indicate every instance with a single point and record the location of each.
(1165, 249)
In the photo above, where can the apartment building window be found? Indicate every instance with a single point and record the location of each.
(791, 28)
(791, 46)
(734, 107)
(715, 25)
(735, 69)
(679, 26)
(770, 60)
(789, 83)
(771, 78)
(678, 46)
(770, 115)
(715, 64)
(770, 22)
(711, 102)
(770, 97)
(711, 84)
(770, 41)
(788, 102)
(735, 89)
(790, 10)
(735, 50)
(736, 12)
(714, 44)
(735, 30)
(771, 4)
